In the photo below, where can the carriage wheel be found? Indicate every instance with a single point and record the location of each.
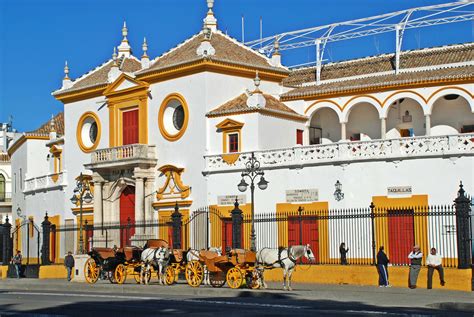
(91, 271)
(176, 273)
(251, 279)
(235, 277)
(111, 277)
(194, 273)
(217, 279)
(120, 274)
(170, 275)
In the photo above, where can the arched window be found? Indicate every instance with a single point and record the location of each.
(2, 187)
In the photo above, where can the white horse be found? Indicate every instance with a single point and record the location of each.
(284, 258)
(193, 255)
(159, 258)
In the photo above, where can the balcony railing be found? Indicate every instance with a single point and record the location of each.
(45, 182)
(5, 197)
(346, 152)
(123, 153)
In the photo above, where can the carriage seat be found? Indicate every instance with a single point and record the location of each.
(243, 256)
(156, 243)
(209, 255)
(105, 253)
(132, 253)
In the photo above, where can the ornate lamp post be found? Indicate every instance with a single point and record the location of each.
(252, 171)
(82, 193)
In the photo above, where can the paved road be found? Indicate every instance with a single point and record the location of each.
(58, 298)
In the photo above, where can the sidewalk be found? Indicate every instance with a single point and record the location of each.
(384, 297)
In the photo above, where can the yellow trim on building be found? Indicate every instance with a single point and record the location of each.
(82, 146)
(174, 184)
(168, 136)
(383, 203)
(22, 140)
(321, 209)
(228, 127)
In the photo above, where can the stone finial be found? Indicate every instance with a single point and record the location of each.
(114, 71)
(206, 49)
(145, 59)
(256, 99)
(51, 124)
(124, 48)
(276, 57)
(67, 83)
(210, 21)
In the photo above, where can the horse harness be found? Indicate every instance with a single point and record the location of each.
(280, 259)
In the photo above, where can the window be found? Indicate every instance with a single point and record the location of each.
(173, 117)
(2, 187)
(299, 137)
(233, 142)
(88, 132)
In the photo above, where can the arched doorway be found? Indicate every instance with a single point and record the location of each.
(127, 211)
(324, 127)
(2, 188)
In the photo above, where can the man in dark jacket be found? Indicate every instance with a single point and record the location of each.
(69, 264)
(382, 267)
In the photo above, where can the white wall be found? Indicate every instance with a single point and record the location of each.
(328, 121)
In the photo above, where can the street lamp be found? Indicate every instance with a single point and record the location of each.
(252, 171)
(82, 193)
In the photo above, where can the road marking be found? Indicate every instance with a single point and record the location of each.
(196, 301)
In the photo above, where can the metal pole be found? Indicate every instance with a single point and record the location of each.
(253, 237)
(81, 239)
(372, 217)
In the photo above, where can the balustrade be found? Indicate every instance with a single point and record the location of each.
(426, 146)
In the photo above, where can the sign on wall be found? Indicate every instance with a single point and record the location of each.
(399, 191)
(301, 195)
(230, 199)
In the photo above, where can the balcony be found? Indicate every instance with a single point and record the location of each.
(123, 157)
(5, 198)
(45, 183)
(348, 152)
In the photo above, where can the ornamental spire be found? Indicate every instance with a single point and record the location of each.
(256, 98)
(145, 59)
(276, 57)
(114, 71)
(124, 48)
(210, 21)
(67, 83)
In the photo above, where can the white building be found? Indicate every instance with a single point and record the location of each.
(179, 128)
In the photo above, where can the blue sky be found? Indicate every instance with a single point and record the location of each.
(37, 36)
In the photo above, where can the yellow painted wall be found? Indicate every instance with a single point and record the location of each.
(3, 271)
(320, 209)
(18, 244)
(53, 272)
(165, 216)
(459, 280)
(418, 202)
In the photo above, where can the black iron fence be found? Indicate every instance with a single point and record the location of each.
(336, 236)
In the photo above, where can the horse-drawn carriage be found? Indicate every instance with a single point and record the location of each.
(112, 264)
(235, 267)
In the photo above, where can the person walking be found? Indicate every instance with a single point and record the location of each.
(415, 265)
(17, 262)
(69, 264)
(434, 262)
(343, 251)
(382, 268)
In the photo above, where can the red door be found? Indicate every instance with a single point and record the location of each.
(307, 233)
(52, 251)
(401, 237)
(226, 234)
(130, 127)
(127, 210)
(299, 137)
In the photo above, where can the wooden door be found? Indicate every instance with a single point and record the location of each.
(299, 137)
(306, 233)
(127, 210)
(401, 235)
(226, 234)
(130, 127)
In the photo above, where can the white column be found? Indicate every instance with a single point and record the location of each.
(343, 131)
(383, 127)
(428, 125)
(139, 204)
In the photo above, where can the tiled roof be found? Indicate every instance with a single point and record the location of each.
(227, 50)
(99, 76)
(380, 81)
(384, 63)
(46, 127)
(239, 105)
